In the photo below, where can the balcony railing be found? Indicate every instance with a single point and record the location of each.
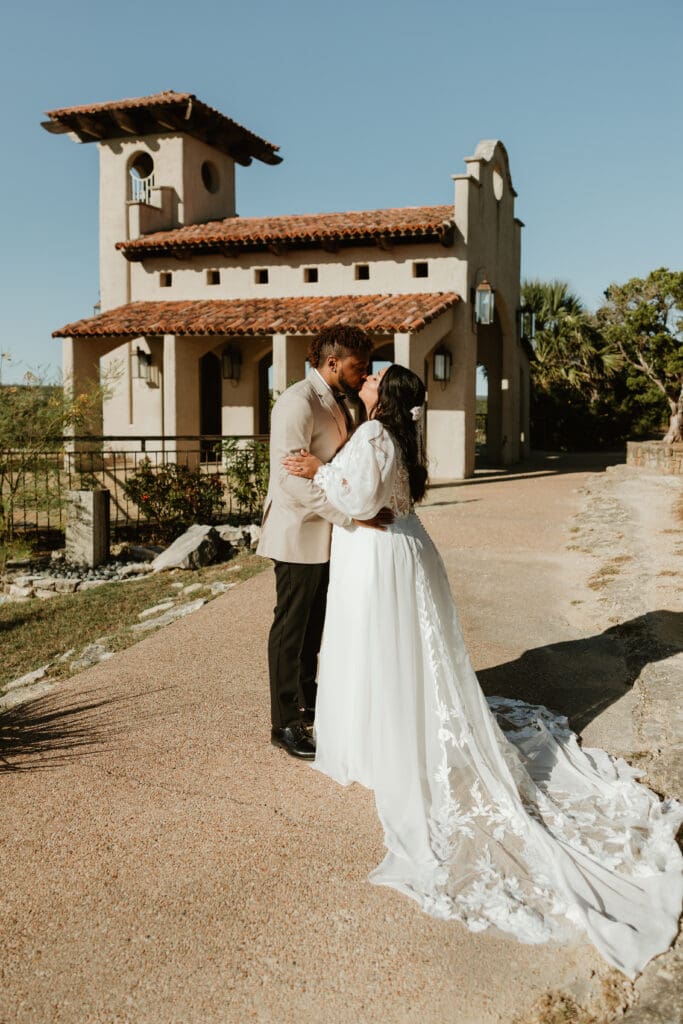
(141, 188)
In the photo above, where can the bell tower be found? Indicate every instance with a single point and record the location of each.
(166, 161)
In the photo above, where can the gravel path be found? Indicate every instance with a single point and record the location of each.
(163, 863)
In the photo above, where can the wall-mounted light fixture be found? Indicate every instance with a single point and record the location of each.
(231, 361)
(442, 365)
(527, 323)
(484, 303)
(143, 364)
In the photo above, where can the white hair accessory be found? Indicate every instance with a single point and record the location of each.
(416, 412)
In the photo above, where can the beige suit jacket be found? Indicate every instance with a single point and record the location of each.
(297, 517)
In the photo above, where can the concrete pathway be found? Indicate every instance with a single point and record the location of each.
(162, 862)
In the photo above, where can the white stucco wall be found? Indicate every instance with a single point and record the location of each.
(177, 173)
(390, 272)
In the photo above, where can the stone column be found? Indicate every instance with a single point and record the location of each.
(451, 405)
(81, 370)
(87, 527)
(169, 380)
(289, 360)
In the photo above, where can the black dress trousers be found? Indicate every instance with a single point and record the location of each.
(295, 636)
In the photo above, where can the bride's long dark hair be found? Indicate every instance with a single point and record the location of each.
(401, 390)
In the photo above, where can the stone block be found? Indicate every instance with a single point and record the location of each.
(170, 616)
(65, 586)
(44, 594)
(87, 527)
(655, 455)
(91, 654)
(30, 677)
(91, 584)
(220, 588)
(156, 609)
(134, 569)
(44, 583)
(144, 552)
(198, 546)
(23, 581)
(16, 590)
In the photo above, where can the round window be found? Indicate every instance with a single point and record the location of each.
(210, 176)
(142, 165)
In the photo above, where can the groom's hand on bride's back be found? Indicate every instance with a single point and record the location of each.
(384, 518)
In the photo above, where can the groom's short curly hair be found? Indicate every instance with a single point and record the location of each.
(339, 340)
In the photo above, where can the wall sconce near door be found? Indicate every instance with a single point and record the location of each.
(442, 365)
(144, 368)
(143, 364)
(527, 323)
(231, 360)
(484, 303)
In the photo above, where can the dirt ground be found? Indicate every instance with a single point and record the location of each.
(163, 863)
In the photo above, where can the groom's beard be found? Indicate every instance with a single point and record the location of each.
(349, 391)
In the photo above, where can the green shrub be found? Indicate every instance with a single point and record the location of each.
(173, 496)
(247, 469)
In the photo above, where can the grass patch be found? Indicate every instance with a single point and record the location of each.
(608, 572)
(614, 995)
(37, 631)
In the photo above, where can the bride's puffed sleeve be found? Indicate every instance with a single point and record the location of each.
(359, 480)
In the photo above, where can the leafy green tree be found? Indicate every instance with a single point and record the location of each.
(642, 323)
(34, 416)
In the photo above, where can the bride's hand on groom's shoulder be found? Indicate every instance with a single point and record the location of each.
(304, 464)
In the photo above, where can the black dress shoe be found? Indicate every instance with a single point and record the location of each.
(295, 740)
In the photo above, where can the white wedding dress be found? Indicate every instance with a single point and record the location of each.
(492, 813)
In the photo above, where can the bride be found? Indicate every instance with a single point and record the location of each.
(492, 813)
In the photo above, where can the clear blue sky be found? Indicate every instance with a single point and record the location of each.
(374, 103)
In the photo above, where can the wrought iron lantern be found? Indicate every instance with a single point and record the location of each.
(232, 363)
(527, 323)
(143, 364)
(484, 303)
(442, 365)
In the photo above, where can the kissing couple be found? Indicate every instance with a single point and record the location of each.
(493, 815)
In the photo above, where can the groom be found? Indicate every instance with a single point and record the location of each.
(297, 525)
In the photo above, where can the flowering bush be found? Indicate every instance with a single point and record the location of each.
(173, 496)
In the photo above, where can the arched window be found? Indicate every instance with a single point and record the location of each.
(141, 177)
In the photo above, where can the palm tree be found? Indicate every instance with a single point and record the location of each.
(567, 346)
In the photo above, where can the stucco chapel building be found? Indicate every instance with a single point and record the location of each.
(204, 312)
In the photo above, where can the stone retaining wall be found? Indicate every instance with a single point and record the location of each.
(663, 458)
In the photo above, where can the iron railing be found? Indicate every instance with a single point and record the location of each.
(33, 485)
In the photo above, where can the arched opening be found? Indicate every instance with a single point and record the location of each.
(382, 357)
(141, 177)
(490, 356)
(481, 415)
(210, 404)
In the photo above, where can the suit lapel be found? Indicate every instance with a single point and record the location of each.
(330, 403)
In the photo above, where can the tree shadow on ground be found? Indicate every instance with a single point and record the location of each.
(581, 678)
(540, 464)
(48, 731)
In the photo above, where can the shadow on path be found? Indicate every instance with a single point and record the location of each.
(48, 731)
(580, 678)
(539, 465)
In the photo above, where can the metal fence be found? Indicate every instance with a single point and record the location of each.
(33, 485)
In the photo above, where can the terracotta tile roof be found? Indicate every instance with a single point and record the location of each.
(377, 314)
(235, 234)
(163, 112)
